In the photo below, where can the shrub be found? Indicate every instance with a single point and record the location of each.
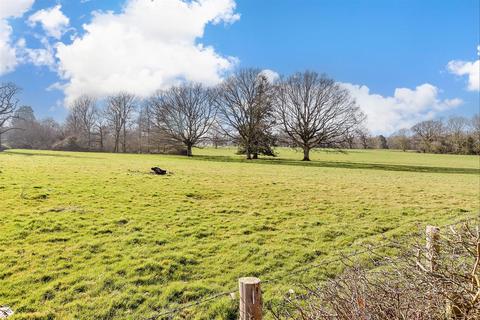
(68, 144)
(400, 288)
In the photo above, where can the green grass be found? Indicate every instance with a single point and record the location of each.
(94, 236)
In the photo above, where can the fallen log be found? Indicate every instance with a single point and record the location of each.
(159, 171)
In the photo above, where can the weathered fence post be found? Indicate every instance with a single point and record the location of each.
(433, 250)
(250, 298)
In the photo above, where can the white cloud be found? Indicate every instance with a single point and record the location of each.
(9, 9)
(403, 109)
(41, 57)
(271, 75)
(149, 45)
(52, 20)
(8, 59)
(471, 69)
(14, 8)
(38, 57)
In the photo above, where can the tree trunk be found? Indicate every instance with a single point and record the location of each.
(101, 140)
(189, 150)
(117, 142)
(248, 151)
(140, 141)
(255, 155)
(306, 154)
(148, 139)
(124, 143)
(89, 140)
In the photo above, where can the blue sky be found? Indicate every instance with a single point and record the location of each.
(404, 61)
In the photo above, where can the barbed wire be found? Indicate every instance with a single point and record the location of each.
(342, 256)
(325, 263)
(191, 304)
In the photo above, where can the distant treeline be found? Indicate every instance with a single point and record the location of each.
(455, 135)
(249, 110)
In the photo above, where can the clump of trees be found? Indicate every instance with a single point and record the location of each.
(29, 133)
(247, 109)
(454, 135)
(305, 110)
(81, 120)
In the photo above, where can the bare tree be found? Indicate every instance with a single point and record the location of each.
(118, 113)
(382, 142)
(47, 132)
(101, 131)
(475, 128)
(31, 133)
(144, 127)
(217, 136)
(428, 132)
(82, 117)
(184, 113)
(400, 139)
(245, 109)
(73, 124)
(8, 106)
(25, 124)
(364, 137)
(475, 124)
(456, 129)
(88, 114)
(315, 111)
(350, 138)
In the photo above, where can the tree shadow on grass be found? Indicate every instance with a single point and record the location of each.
(290, 162)
(53, 154)
(340, 164)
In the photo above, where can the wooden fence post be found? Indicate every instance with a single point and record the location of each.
(250, 298)
(433, 250)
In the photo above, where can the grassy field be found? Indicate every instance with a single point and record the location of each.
(94, 236)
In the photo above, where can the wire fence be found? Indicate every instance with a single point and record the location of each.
(189, 305)
(340, 256)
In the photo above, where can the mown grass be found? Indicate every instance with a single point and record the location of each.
(94, 236)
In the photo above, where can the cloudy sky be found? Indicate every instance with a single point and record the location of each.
(404, 61)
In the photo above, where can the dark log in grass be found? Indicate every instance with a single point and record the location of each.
(159, 171)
